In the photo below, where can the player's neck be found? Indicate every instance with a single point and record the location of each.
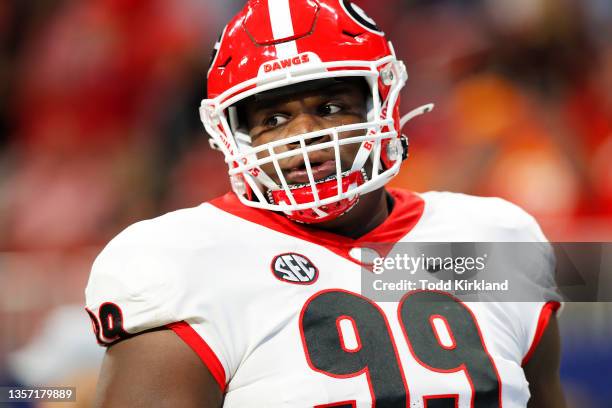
(371, 211)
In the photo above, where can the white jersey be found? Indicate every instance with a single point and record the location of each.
(274, 308)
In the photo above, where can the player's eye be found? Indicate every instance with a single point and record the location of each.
(275, 120)
(330, 109)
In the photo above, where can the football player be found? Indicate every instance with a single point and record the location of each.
(253, 299)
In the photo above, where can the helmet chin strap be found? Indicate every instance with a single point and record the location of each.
(326, 188)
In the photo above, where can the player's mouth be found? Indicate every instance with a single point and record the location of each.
(299, 175)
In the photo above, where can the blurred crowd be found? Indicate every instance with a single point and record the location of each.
(99, 125)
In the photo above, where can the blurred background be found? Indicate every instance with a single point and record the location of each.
(99, 128)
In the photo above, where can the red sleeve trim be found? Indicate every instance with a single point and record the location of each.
(202, 349)
(343, 404)
(547, 311)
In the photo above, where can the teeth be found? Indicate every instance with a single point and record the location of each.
(328, 178)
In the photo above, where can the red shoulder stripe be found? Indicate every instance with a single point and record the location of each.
(202, 349)
(547, 310)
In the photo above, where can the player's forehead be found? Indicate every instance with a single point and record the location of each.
(312, 90)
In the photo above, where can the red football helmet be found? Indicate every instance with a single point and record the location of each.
(277, 43)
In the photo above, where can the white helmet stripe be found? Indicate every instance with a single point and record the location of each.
(282, 27)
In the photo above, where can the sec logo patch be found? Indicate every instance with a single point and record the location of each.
(294, 268)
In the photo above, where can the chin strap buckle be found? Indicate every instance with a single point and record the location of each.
(405, 145)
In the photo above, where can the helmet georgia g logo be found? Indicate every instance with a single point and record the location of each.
(360, 16)
(294, 268)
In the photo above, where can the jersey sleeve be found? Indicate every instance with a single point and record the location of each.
(540, 315)
(126, 293)
(139, 284)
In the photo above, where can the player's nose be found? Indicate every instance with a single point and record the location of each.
(305, 123)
